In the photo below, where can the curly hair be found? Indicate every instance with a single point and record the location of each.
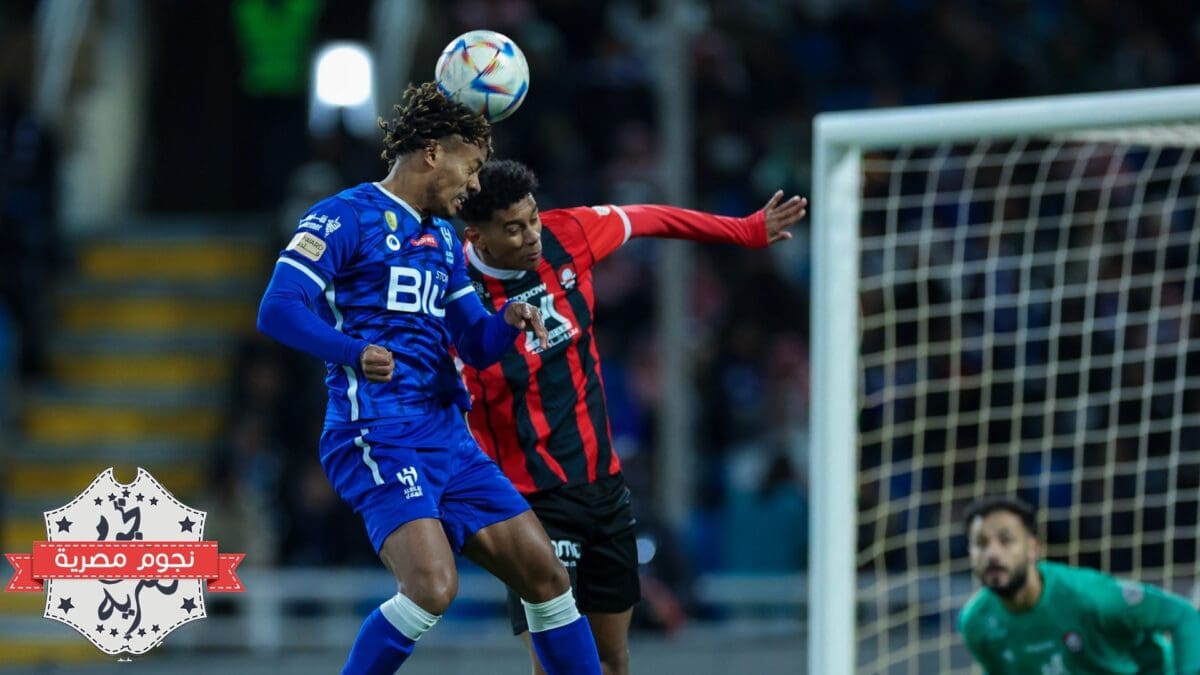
(502, 183)
(427, 114)
(986, 505)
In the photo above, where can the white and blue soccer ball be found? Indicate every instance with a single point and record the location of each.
(484, 71)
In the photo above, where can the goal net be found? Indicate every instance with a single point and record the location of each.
(1028, 324)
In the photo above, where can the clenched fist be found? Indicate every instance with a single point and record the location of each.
(376, 363)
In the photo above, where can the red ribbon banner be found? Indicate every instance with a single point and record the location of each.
(125, 560)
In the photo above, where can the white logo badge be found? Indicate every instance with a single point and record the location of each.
(408, 477)
(125, 564)
(308, 245)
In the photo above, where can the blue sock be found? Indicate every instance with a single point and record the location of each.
(387, 637)
(562, 638)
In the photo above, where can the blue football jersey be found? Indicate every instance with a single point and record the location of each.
(386, 276)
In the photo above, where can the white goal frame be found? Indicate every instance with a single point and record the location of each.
(840, 139)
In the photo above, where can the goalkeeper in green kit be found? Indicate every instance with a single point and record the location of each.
(1042, 618)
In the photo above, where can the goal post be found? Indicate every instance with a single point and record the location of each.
(1003, 298)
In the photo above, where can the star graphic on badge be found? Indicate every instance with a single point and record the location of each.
(64, 525)
(125, 493)
(140, 496)
(154, 501)
(186, 525)
(99, 501)
(141, 632)
(189, 605)
(112, 497)
(99, 628)
(113, 632)
(154, 628)
(65, 605)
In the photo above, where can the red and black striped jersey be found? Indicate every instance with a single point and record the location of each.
(541, 413)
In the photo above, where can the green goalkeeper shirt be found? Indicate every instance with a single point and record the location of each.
(1084, 623)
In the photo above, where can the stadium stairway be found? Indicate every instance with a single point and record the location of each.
(138, 371)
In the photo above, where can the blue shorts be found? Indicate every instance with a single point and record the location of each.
(424, 466)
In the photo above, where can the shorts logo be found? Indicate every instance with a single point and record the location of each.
(1073, 641)
(569, 552)
(308, 245)
(408, 477)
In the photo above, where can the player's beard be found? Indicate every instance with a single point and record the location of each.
(1016, 581)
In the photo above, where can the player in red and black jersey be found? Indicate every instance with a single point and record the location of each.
(540, 412)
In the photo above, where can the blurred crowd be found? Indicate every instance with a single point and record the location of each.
(1059, 351)
(236, 119)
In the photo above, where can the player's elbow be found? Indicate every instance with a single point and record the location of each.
(269, 313)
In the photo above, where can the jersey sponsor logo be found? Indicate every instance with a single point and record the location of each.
(424, 240)
(308, 245)
(1073, 641)
(319, 221)
(569, 552)
(1132, 592)
(410, 291)
(392, 221)
(1039, 647)
(558, 327)
(408, 477)
(524, 296)
(566, 277)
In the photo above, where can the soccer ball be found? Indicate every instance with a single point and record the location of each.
(485, 71)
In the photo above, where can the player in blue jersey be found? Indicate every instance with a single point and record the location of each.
(374, 283)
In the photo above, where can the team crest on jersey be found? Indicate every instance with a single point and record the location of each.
(1073, 641)
(449, 239)
(424, 240)
(566, 277)
(392, 221)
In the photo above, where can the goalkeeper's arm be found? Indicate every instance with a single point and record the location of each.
(975, 645)
(1143, 607)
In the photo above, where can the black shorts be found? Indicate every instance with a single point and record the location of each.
(592, 529)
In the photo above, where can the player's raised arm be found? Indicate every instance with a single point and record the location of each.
(1138, 607)
(760, 229)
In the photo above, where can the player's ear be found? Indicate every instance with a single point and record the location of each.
(433, 150)
(472, 235)
(1035, 549)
